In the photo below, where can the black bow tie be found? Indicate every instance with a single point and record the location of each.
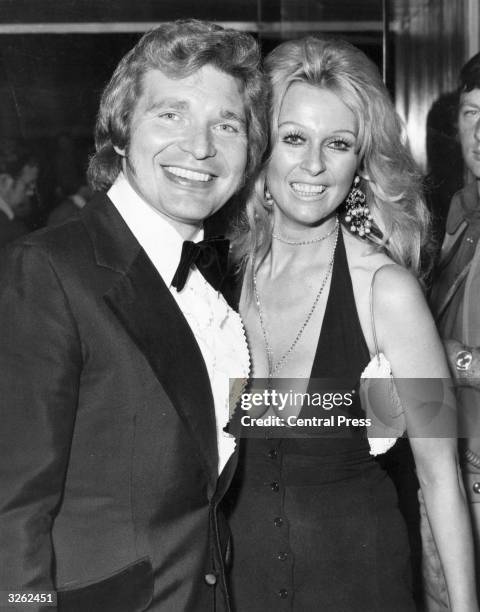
(211, 258)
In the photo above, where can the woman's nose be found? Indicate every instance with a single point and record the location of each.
(313, 162)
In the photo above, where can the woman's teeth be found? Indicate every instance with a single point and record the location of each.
(307, 189)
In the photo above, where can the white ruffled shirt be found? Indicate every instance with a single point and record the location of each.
(217, 328)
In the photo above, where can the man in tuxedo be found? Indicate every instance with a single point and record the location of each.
(18, 180)
(115, 357)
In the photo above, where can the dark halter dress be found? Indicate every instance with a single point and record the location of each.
(315, 521)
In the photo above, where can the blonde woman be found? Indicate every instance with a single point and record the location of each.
(315, 520)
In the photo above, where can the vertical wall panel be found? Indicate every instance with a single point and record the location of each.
(473, 27)
(430, 48)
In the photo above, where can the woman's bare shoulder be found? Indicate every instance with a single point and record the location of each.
(396, 288)
(367, 263)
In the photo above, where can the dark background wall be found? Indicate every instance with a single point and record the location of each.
(57, 55)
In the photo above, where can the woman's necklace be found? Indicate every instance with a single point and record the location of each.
(303, 242)
(274, 368)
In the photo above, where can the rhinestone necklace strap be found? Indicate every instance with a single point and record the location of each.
(274, 368)
(304, 242)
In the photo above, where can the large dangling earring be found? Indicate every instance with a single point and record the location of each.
(358, 213)
(267, 198)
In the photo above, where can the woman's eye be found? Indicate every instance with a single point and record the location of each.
(293, 139)
(339, 144)
(470, 112)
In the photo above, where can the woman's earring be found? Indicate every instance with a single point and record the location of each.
(358, 213)
(267, 197)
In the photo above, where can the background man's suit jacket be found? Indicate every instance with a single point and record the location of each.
(10, 229)
(450, 305)
(108, 465)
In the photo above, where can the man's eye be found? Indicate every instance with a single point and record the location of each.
(170, 116)
(227, 128)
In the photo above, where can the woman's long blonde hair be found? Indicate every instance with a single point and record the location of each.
(391, 180)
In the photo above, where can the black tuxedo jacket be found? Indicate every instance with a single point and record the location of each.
(108, 468)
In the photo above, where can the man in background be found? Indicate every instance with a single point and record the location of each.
(70, 206)
(456, 293)
(18, 180)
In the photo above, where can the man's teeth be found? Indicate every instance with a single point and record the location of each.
(188, 174)
(307, 189)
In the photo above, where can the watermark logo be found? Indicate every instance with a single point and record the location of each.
(373, 408)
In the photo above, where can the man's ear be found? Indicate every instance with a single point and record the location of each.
(120, 151)
(6, 183)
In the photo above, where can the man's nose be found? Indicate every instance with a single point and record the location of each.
(199, 142)
(313, 161)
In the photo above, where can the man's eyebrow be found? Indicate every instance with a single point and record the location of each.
(173, 103)
(232, 115)
(467, 103)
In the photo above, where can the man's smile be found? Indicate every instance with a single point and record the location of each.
(190, 175)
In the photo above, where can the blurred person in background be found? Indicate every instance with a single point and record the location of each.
(18, 181)
(70, 206)
(66, 167)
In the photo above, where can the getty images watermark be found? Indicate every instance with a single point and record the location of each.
(375, 407)
(279, 408)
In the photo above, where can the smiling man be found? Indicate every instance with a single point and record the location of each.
(187, 151)
(113, 455)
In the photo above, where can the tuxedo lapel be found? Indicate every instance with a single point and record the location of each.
(149, 313)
